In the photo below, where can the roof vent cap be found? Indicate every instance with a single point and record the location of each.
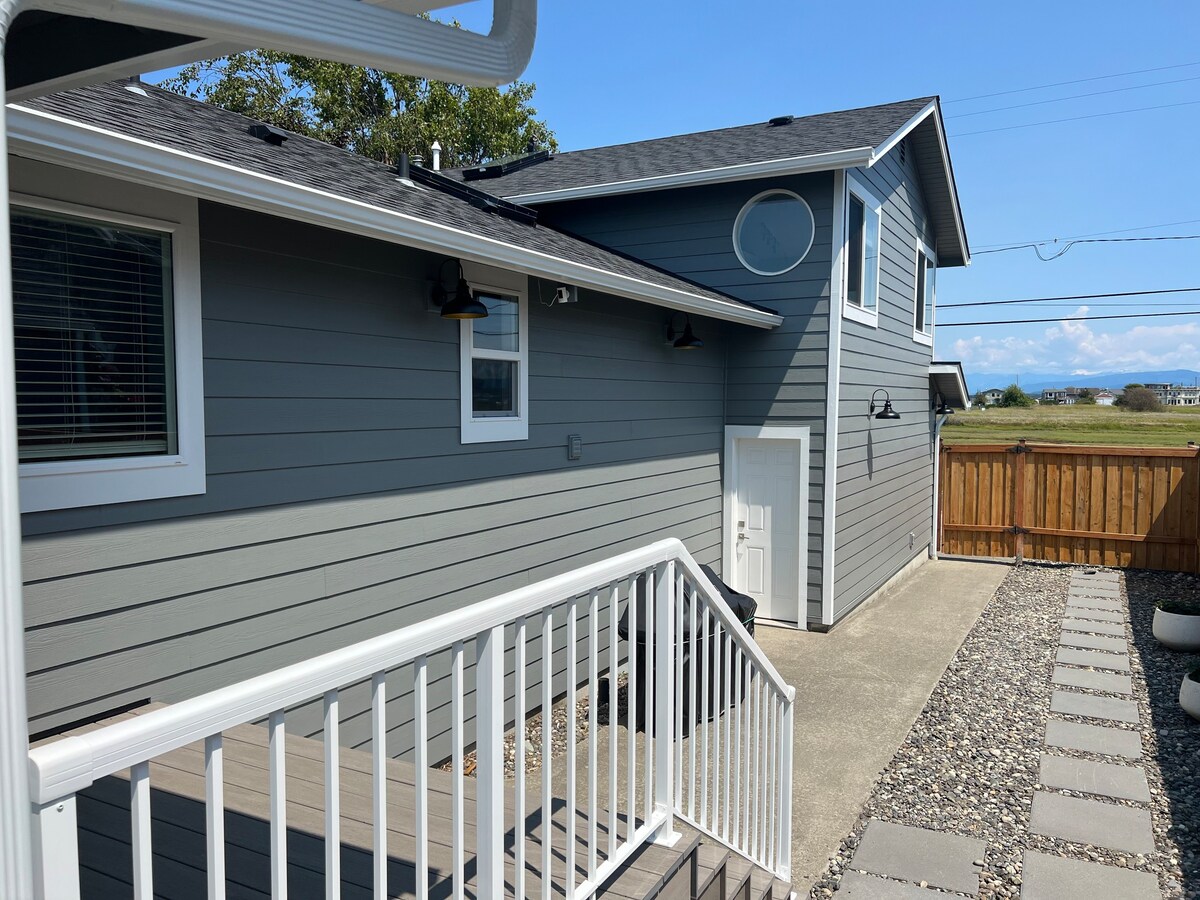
(781, 120)
(269, 133)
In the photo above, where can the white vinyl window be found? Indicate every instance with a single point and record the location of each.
(106, 327)
(924, 295)
(494, 383)
(863, 218)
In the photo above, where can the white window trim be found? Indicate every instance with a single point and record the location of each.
(741, 216)
(68, 484)
(924, 337)
(486, 429)
(871, 200)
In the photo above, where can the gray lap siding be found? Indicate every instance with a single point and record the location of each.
(773, 378)
(885, 468)
(340, 503)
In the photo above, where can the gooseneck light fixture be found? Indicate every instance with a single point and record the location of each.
(685, 341)
(462, 304)
(943, 408)
(887, 412)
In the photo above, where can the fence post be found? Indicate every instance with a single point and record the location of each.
(785, 785)
(489, 751)
(56, 850)
(664, 700)
(1018, 525)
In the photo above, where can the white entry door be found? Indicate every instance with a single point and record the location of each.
(769, 524)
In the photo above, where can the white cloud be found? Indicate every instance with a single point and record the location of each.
(1075, 348)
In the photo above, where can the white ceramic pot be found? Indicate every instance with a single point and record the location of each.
(1189, 695)
(1179, 632)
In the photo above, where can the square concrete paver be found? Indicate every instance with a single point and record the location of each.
(1097, 615)
(856, 886)
(1116, 629)
(1093, 681)
(1092, 822)
(1103, 779)
(1093, 641)
(1095, 588)
(1094, 602)
(1071, 703)
(1045, 877)
(1094, 739)
(1117, 662)
(917, 854)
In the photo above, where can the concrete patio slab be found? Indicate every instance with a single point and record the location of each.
(1045, 877)
(1091, 626)
(1116, 662)
(855, 886)
(1098, 615)
(1071, 703)
(1092, 822)
(1094, 739)
(1094, 642)
(919, 855)
(1102, 779)
(1093, 681)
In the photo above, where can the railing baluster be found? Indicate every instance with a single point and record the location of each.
(662, 800)
(379, 758)
(690, 730)
(614, 660)
(457, 807)
(631, 644)
(214, 809)
(738, 696)
(143, 852)
(702, 726)
(748, 791)
(677, 652)
(776, 806)
(572, 680)
(760, 780)
(421, 764)
(649, 690)
(519, 760)
(277, 749)
(729, 748)
(333, 800)
(547, 710)
(768, 779)
(593, 704)
(715, 678)
(785, 788)
(489, 759)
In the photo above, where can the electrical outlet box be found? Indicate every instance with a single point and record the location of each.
(574, 446)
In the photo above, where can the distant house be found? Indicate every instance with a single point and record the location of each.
(1176, 394)
(992, 396)
(1105, 398)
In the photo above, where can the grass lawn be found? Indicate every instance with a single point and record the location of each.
(1105, 425)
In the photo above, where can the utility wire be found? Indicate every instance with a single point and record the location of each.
(1068, 244)
(1186, 290)
(1039, 87)
(1132, 87)
(1074, 237)
(1115, 112)
(1193, 312)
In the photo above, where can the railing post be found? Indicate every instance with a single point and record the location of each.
(489, 750)
(785, 785)
(664, 700)
(56, 851)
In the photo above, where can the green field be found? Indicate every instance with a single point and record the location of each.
(1105, 425)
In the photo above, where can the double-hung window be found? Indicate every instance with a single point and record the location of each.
(861, 253)
(107, 347)
(926, 282)
(495, 372)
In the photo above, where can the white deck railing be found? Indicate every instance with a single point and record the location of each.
(724, 766)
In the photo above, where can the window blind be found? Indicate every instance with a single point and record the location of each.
(93, 338)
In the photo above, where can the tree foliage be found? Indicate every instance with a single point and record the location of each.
(1086, 397)
(1013, 396)
(980, 399)
(370, 112)
(1141, 399)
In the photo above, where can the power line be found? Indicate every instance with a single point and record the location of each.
(1193, 312)
(1115, 112)
(1073, 237)
(1132, 87)
(1068, 244)
(1039, 87)
(1187, 290)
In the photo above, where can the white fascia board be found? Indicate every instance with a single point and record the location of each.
(66, 142)
(347, 31)
(794, 165)
(931, 109)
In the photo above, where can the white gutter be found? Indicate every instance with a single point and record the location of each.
(66, 142)
(793, 165)
(938, 422)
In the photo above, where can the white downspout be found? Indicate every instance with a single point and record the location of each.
(938, 422)
(16, 848)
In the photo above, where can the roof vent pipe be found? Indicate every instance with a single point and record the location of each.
(402, 168)
(437, 156)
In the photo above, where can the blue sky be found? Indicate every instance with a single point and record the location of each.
(621, 71)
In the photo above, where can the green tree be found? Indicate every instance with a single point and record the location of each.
(1013, 396)
(980, 400)
(370, 112)
(1141, 399)
(1086, 397)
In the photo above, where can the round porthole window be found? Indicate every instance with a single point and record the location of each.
(773, 232)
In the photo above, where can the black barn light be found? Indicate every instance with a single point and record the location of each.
(887, 412)
(462, 304)
(685, 341)
(943, 408)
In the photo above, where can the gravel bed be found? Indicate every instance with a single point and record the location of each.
(970, 763)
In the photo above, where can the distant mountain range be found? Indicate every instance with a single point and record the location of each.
(1034, 383)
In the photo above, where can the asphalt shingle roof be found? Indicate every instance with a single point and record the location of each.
(828, 132)
(170, 120)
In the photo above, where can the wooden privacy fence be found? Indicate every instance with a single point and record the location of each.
(1110, 506)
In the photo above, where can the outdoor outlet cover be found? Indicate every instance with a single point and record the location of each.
(574, 446)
